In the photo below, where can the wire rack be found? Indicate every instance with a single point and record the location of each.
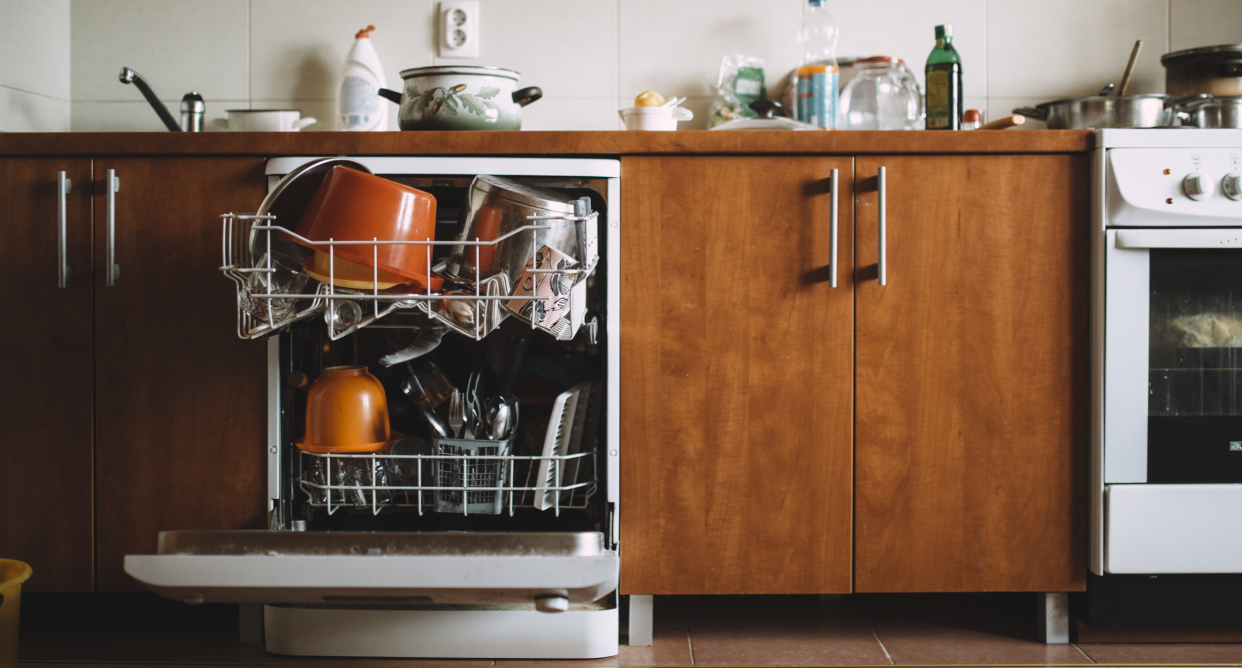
(437, 483)
(245, 235)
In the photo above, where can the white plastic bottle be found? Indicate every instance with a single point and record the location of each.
(358, 104)
(817, 77)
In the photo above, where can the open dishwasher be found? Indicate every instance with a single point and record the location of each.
(501, 546)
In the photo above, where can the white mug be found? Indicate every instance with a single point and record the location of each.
(654, 118)
(263, 120)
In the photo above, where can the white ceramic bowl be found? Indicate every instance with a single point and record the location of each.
(654, 118)
(263, 120)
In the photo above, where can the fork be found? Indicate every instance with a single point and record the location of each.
(456, 413)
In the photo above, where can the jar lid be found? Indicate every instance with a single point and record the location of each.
(524, 193)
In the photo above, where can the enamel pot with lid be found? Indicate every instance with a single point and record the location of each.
(461, 98)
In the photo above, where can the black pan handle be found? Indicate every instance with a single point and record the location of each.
(1032, 113)
(527, 95)
(390, 95)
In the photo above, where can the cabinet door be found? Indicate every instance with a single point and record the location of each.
(736, 377)
(181, 401)
(45, 408)
(972, 375)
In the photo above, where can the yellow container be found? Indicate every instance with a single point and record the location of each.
(12, 575)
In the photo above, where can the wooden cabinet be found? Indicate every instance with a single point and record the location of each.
(46, 450)
(180, 400)
(134, 408)
(736, 376)
(972, 375)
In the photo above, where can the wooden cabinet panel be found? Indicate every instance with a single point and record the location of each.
(972, 375)
(45, 407)
(736, 377)
(180, 400)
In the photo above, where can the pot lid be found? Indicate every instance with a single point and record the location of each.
(469, 70)
(524, 193)
(1199, 51)
(767, 120)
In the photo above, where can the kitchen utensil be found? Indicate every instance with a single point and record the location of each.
(288, 201)
(428, 339)
(1106, 90)
(1213, 112)
(456, 413)
(499, 408)
(1211, 70)
(498, 206)
(344, 273)
(263, 120)
(281, 275)
(556, 444)
(664, 117)
(1107, 111)
(673, 102)
(470, 316)
(1125, 78)
(412, 387)
(767, 120)
(461, 97)
(345, 412)
(1004, 123)
(883, 95)
(355, 206)
(460, 463)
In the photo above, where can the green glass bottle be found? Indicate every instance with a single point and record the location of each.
(944, 83)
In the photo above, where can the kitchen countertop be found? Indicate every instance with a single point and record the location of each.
(542, 143)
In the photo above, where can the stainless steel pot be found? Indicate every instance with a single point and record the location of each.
(1213, 112)
(1107, 111)
(498, 206)
(1210, 70)
(461, 98)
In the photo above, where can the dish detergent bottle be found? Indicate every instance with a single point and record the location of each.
(358, 104)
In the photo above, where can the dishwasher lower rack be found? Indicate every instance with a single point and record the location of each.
(462, 477)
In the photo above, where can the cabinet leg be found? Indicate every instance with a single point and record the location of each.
(1052, 615)
(250, 622)
(641, 618)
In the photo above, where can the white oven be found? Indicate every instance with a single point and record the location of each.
(1167, 442)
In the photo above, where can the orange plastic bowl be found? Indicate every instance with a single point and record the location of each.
(355, 206)
(346, 412)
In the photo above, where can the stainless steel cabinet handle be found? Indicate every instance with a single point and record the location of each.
(63, 272)
(833, 244)
(883, 228)
(112, 270)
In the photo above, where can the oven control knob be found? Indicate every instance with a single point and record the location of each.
(1198, 186)
(1231, 185)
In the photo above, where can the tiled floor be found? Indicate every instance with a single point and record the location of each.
(929, 629)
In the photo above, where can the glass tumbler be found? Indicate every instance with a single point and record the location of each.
(284, 275)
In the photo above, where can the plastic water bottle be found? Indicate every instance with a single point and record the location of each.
(358, 104)
(818, 75)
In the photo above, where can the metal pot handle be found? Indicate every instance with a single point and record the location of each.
(1032, 112)
(527, 95)
(390, 95)
(1189, 102)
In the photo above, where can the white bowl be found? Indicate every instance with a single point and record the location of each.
(654, 118)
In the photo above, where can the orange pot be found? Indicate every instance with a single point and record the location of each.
(355, 206)
(346, 412)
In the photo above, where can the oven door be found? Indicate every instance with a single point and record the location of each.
(1173, 400)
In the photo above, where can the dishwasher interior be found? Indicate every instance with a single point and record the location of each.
(432, 540)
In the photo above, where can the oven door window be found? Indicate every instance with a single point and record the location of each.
(1194, 414)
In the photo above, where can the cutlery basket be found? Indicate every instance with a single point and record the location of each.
(478, 467)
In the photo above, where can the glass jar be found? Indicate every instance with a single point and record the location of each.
(883, 95)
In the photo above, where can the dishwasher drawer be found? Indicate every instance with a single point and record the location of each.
(551, 570)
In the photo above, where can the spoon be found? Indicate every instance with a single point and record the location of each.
(499, 407)
(673, 102)
(1125, 78)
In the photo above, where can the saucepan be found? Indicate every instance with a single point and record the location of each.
(461, 98)
(1109, 111)
(1213, 112)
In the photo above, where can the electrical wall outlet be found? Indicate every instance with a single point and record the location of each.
(459, 29)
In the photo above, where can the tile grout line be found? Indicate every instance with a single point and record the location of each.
(877, 639)
(1080, 651)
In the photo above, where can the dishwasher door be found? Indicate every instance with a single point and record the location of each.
(550, 570)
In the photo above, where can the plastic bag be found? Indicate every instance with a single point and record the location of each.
(740, 82)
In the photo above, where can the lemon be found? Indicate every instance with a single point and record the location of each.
(649, 99)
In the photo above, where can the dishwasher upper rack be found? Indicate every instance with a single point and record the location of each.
(325, 478)
(239, 266)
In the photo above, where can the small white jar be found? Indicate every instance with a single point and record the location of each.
(654, 118)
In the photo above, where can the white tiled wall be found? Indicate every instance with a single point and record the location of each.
(589, 56)
(34, 65)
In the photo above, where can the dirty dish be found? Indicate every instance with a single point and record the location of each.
(346, 411)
